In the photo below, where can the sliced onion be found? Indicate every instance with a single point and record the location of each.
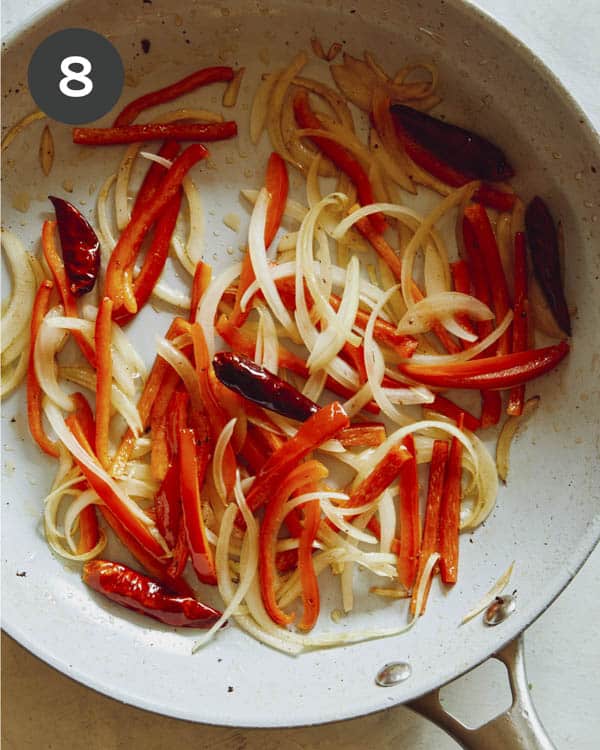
(217, 466)
(183, 367)
(48, 342)
(278, 93)
(15, 318)
(495, 591)
(487, 484)
(420, 317)
(260, 103)
(207, 309)
(509, 430)
(12, 377)
(122, 211)
(270, 343)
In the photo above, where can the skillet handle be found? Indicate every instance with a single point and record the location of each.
(518, 728)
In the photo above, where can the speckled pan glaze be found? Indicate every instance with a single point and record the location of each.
(546, 519)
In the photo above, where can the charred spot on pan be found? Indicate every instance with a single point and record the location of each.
(230, 689)
(145, 46)
(21, 573)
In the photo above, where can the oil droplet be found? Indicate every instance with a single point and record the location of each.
(578, 175)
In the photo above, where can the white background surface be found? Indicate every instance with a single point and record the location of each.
(43, 709)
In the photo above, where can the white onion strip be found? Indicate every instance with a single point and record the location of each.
(15, 318)
(495, 591)
(420, 317)
(217, 466)
(207, 309)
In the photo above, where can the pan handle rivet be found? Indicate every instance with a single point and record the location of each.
(501, 608)
(393, 674)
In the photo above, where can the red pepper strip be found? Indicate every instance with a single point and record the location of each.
(181, 554)
(380, 478)
(316, 430)
(516, 397)
(192, 470)
(155, 131)
(450, 409)
(363, 434)
(146, 596)
(57, 267)
(154, 176)
(298, 479)
(102, 338)
(216, 416)
(380, 245)
(234, 406)
(450, 513)
(430, 542)
(34, 392)
(113, 502)
(477, 217)
(384, 332)
(240, 342)
(462, 283)
(195, 80)
(355, 357)
(310, 588)
(89, 534)
(202, 277)
(167, 503)
(424, 158)
(160, 457)
(491, 402)
(410, 526)
(342, 158)
(156, 257)
(133, 235)
(247, 277)
(80, 247)
(445, 338)
(277, 184)
(495, 373)
(286, 560)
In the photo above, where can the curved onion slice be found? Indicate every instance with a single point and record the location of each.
(15, 318)
(260, 104)
(495, 591)
(209, 304)
(217, 464)
(421, 316)
(509, 430)
(48, 342)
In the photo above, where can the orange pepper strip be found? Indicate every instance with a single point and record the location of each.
(155, 131)
(308, 578)
(217, 418)
(380, 245)
(160, 458)
(135, 526)
(57, 267)
(134, 233)
(380, 478)
(202, 277)
(240, 342)
(410, 532)
(462, 283)
(34, 392)
(102, 338)
(430, 542)
(364, 434)
(192, 471)
(516, 397)
(199, 78)
(299, 479)
(316, 430)
(450, 513)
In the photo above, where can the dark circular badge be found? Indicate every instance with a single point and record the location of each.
(75, 76)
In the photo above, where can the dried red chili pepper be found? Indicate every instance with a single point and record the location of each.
(471, 154)
(80, 247)
(543, 246)
(136, 591)
(262, 387)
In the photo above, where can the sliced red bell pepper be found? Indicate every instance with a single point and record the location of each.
(133, 235)
(520, 340)
(462, 283)
(495, 373)
(134, 525)
(362, 434)
(450, 513)
(323, 425)
(491, 408)
(410, 523)
(155, 131)
(308, 578)
(431, 528)
(154, 176)
(380, 245)
(342, 158)
(41, 304)
(449, 409)
(195, 80)
(202, 277)
(57, 267)
(102, 339)
(298, 479)
(286, 560)
(162, 412)
(192, 471)
(277, 184)
(477, 217)
(380, 478)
